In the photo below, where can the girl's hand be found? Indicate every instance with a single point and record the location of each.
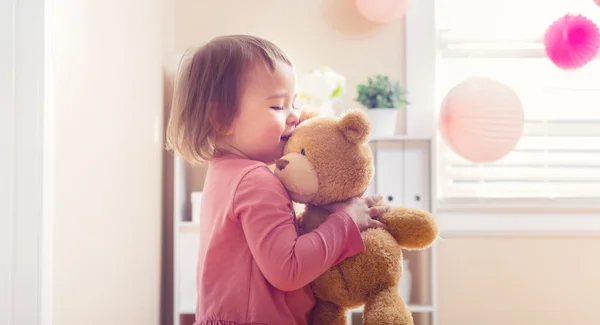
(362, 211)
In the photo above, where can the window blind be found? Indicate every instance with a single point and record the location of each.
(559, 153)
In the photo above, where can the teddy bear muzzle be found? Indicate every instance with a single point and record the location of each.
(298, 175)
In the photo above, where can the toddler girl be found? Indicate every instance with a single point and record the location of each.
(233, 107)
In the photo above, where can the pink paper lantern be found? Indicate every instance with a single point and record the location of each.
(481, 119)
(382, 11)
(572, 41)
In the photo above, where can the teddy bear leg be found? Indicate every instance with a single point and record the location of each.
(386, 307)
(328, 313)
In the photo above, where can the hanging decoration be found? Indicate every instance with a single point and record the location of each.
(572, 41)
(382, 11)
(481, 119)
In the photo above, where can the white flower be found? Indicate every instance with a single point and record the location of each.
(322, 85)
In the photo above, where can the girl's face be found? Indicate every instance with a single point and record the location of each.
(266, 116)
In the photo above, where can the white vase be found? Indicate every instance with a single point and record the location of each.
(383, 121)
(331, 107)
(405, 282)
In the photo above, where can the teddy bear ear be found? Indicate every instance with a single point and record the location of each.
(307, 113)
(355, 126)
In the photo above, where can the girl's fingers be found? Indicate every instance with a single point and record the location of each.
(376, 224)
(372, 200)
(376, 211)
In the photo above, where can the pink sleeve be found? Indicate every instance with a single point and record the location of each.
(289, 261)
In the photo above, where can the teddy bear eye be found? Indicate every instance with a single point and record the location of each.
(303, 152)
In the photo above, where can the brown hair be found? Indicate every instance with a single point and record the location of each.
(207, 91)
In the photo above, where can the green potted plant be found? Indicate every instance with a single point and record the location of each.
(382, 99)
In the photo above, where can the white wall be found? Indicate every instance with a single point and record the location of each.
(108, 104)
(80, 161)
(6, 157)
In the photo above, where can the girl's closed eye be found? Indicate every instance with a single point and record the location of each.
(278, 108)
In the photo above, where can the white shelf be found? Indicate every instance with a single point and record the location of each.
(399, 137)
(187, 310)
(403, 175)
(189, 225)
(411, 308)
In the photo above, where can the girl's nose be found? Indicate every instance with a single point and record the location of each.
(293, 117)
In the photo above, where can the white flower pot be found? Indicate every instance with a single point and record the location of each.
(383, 121)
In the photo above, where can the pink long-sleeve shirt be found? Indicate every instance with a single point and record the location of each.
(253, 268)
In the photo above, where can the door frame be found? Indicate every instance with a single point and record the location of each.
(27, 167)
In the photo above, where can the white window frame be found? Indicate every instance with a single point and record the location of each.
(490, 217)
(26, 164)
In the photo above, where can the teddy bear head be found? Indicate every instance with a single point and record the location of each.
(327, 159)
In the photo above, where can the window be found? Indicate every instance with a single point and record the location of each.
(558, 156)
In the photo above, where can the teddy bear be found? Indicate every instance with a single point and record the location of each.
(327, 160)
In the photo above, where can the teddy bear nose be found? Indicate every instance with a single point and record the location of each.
(281, 163)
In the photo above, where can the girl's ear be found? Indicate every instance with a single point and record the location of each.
(228, 131)
(220, 128)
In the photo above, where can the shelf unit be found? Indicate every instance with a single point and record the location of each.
(183, 235)
(402, 175)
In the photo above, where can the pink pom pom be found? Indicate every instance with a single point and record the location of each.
(572, 41)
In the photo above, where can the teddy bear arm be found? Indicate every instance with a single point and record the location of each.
(412, 228)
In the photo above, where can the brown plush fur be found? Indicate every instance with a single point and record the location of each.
(329, 160)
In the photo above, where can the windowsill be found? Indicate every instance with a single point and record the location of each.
(518, 224)
(526, 218)
(518, 205)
